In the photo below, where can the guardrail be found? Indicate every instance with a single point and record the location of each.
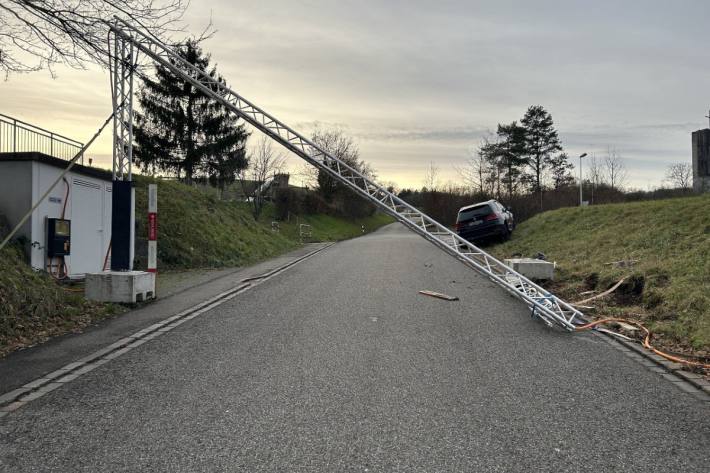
(17, 136)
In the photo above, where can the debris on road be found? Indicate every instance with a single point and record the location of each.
(439, 295)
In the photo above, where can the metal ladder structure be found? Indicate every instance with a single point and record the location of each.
(544, 305)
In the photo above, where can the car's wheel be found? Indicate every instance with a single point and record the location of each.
(505, 236)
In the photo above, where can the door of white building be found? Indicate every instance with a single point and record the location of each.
(86, 227)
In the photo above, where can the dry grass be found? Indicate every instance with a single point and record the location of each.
(33, 307)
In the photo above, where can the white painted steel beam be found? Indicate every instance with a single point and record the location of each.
(549, 308)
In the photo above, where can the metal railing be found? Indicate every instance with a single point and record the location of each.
(17, 136)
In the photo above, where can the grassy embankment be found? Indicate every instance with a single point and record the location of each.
(666, 242)
(196, 230)
(33, 307)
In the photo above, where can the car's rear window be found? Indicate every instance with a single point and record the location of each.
(477, 211)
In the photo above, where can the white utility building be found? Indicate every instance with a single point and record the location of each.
(83, 199)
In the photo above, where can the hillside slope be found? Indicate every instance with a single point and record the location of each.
(197, 230)
(666, 242)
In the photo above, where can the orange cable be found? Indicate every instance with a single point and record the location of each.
(646, 341)
(108, 252)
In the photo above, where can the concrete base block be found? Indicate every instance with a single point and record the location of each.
(120, 286)
(532, 268)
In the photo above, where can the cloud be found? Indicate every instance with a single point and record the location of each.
(416, 81)
(469, 135)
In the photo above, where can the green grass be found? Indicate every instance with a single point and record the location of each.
(328, 228)
(197, 230)
(669, 286)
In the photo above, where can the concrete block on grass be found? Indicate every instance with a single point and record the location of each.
(532, 268)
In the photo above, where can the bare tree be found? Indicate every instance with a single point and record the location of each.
(264, 164)
(337, 193)
(595, 176)
(614, 169)
(477, 172)
(336, 142)
(38, 34)
(308, 175)
(391, 186)
(594, 170)
(680, 175)
(431, 177)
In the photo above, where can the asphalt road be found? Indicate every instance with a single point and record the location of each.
(339, 365)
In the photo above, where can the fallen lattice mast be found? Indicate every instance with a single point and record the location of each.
(129, 41)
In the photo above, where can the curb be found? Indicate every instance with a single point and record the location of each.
(690, 383)
(17, 398)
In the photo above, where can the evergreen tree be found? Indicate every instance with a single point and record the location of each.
(508, 154)
(183, 132)
(560, 169)
(541, 142)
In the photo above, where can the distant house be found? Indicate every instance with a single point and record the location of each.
(242, 191)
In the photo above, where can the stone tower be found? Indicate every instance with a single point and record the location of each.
(701, 160)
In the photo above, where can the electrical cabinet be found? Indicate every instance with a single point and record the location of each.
(58, 237)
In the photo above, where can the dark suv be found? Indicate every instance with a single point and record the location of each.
(483, 220)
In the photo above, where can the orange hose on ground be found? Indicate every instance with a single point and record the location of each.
(73, 290)
(646, 341)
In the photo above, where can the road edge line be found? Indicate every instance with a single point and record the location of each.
(48, 382)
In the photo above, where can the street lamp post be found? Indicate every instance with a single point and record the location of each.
(580, 178)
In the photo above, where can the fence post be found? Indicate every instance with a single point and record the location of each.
(14, 135)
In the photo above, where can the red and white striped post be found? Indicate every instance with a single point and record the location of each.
(152, 228)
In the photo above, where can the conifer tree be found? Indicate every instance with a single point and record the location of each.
(181, 131)
(508, 154)
(541, 142)
(560, 169)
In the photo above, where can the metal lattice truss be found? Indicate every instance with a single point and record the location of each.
(546, 306)
(123, 65)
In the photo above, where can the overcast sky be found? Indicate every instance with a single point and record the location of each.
(420, 81)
